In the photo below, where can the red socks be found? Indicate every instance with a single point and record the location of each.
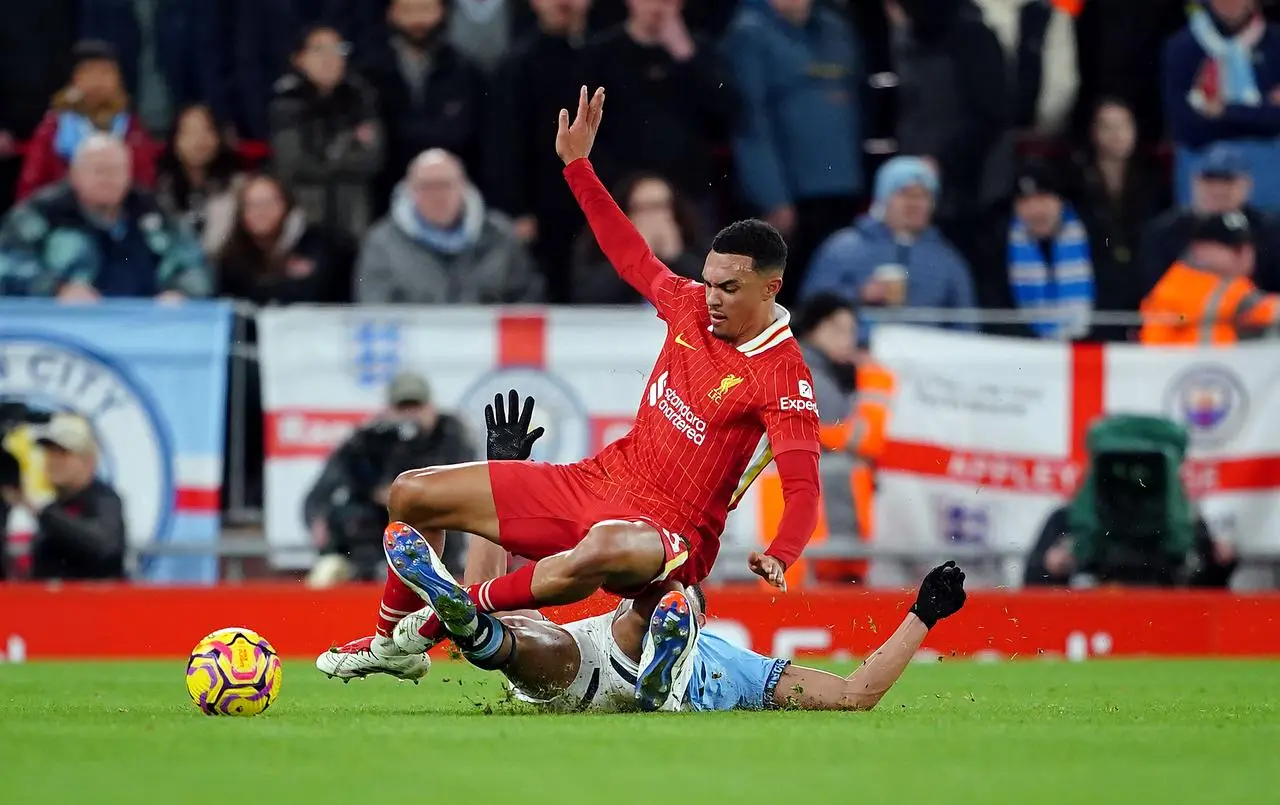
(503, 594)
(397, 601)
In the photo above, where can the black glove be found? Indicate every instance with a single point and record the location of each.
(941, 594)
(508, 439)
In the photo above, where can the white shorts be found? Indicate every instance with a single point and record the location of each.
(606, 679)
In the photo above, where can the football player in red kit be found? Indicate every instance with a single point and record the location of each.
(728, 394)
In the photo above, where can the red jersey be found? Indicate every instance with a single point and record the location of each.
(713, 415)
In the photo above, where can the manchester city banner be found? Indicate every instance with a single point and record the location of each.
(151, 381)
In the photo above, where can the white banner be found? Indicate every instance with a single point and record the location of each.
(987, 434)
(325, 370)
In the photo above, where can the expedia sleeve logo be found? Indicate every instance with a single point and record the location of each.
(803, 402)
(133, 446)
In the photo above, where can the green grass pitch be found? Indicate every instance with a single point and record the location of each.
(1028, 733)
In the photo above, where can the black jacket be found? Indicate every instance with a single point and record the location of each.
(366, 461)
(81, 536)
(317, 269)
(955, 104)
(317, 153)
(539, 77)
(1202, 569)
(1166, 237)
(1115, 234)
(449, 115)
(664, 116)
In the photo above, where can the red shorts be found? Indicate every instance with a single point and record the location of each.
(544, 509)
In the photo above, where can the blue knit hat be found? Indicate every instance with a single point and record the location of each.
(898, 173)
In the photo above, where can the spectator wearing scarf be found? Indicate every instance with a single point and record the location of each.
(895, 242)
(94, 102)
(1222, 75)
(1048, 256)
(441, 244)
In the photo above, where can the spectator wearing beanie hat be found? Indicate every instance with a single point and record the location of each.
(893, 256)
(1048, 257)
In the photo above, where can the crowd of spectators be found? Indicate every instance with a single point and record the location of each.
(1056, 157)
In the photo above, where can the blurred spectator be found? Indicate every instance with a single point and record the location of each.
(35, 58)
(798, 142)
(195, 172)
(1206, 297)
(540, 77)
(1222, 75)
(346, 509)
(80, 534)
(273, 256)
(1039, 43)
(483, 30)
(441, 245)
(260, 38)
(707, 17)
(854, 397)
(1117, 192)
(893, 256)
(169, 51)
(670, 227)
(955, 105)
(1131, 521)
(94, 101)
(879, 97)
(1119, 43)
(429, 94)
(326, 139)
(669, 98)
(1050, 265)
(1221, 184)
(95, 236)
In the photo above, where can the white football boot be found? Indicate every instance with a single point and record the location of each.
(373, 655)
(406, 634)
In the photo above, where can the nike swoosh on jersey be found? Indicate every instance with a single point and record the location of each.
(680, 340)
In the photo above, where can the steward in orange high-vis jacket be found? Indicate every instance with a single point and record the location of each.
(1207, 297)
(853, 396)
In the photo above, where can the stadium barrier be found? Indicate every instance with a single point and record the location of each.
(109, 621)
(1015, 435)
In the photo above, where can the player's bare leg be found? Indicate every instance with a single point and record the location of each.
(543, 660)
(617, 554)
(433, 499)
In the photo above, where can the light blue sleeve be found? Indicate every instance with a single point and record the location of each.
(727, 677)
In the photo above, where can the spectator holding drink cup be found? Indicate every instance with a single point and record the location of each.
(893, 256)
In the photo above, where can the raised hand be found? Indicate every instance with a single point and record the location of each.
(941, 594)
(574, 140)
(508, 438)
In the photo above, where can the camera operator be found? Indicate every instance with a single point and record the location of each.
(1131, 522)
(346, 509)
(80, 534)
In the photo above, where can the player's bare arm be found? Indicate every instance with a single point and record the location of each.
(941, 595)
